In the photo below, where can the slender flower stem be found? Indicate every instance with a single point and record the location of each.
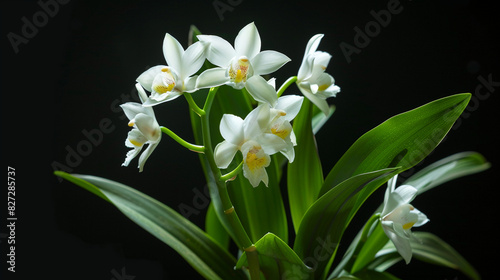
(239, 234)
(193, 104)
(232, 174)
(192, 147)
(285, 85)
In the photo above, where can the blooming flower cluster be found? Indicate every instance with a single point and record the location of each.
(264, 131)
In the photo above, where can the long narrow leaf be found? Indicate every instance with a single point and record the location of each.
(431, 249)
(305, 174)
(324, 223)
(195, 246)
(447, 169)
(403, 140)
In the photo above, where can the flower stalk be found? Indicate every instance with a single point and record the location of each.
(240, 236)
(192, 147)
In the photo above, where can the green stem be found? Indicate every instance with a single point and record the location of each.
(285, 85)
(193, 104)
(232, 174)
(240, 235)
(192, 147)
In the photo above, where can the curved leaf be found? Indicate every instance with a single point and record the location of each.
(403, 140)
(277, 260)
(431, 249)
(326, 220)
(447, 169)
(195, 246)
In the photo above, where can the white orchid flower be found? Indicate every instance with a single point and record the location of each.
(238, 64)
(398, 217)
(145, 129)
(312, 80)
(169, 82)
(283, 111)
(248, 137)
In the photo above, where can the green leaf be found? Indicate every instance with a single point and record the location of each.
(375, 275)
(277, 260)
(319, 118)
(324, 223)
(215, 229)
(434, 250)
(376, 240)
(431, 249)
(195, 246)
(304, 174)
(447, 169)
(403, 140)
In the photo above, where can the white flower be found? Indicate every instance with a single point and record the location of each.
(169, 82)
(312, 80)
(145, 129)
(283, 111)
(398, 217)
(238, 64)
(248, 137)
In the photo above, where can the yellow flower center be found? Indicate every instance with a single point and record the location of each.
(323, 87)
(135, 143)
(238, 71)
(408, 225)
(282, 133)
(166, 82)
(254, 160)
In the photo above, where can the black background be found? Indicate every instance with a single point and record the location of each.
(82, 62)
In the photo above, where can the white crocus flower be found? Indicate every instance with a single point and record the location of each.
(398, 217)
(283, 111)
(145, 129)
(169, 82)
(248, 137)
(238, 64)
(312, 80)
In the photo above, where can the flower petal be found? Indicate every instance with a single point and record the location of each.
(192, 59)
(145, 155)
(290, 104)
(224, 153)
(261, 91)
(402, 244)
(231, 129)
(247, 41)
(267, 62)
(404, 194)
(320, 102)
(271, 143)
(312, 44)
(212, 78)
(147, 77)
(148, 126)
(142, 94)
(256, 122)
(131, 109)
(219, 52)
(173, 51)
